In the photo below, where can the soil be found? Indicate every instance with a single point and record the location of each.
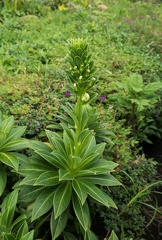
(154, 231)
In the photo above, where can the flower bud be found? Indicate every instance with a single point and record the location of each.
(85, 97)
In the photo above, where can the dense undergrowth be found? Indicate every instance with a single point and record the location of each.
(125, 39)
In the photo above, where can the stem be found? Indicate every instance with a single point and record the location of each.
(78, 127)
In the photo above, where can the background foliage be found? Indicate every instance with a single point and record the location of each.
(126, 43)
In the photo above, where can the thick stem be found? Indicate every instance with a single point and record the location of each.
(78, 127)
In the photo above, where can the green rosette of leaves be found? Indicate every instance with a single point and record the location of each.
(63, 173)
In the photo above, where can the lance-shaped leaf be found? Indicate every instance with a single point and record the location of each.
(103, 180)
(52, 158)
(69, 143)
(80, 190)
(48, 178)
(9, 236)
(29, 193)
(58, 224)
(65, 175)
(57, 142)
(69, 236)
(113, 236)
(23, 229)
(43, 203)
(82, 212)
(101, 166)
(89, 235)
(98, 194)
(7, 125)
(62, 197)
(8, 208)
(39, 146)
(2, 138)
(92, 147)
(31, 178)
(10, 160)
(27, 168)
(3, 179)
(71, 114)
(16, 133)
(18, 222)
(14, 145)
(28, 236)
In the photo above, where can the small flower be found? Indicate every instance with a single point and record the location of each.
(80, 77)
(67, 93)
(103, 98)
(38, 126)
(62, 8)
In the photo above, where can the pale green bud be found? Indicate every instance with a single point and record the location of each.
(85, 97)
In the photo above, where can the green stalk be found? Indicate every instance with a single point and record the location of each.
(78, 127)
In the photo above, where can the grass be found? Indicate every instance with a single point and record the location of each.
(126, 38)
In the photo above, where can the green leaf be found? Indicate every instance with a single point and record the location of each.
(80, 190)
(136, 82)
(29, 167)
(65, 175)
(89, 235)
(70, 132)
(48, 178)
(23, 229)
(103, 180)
(78, 61)
(58, 225)
(43, 203)
(82, 212)
(10, 160)
(7, 125)
(86, 142)
(29, 193)
(69, 143)
(92, 157)
(31, 178)
(3, 179)
(151, 88)
(18, 222)
(9, 236)
(8, 208)
(62, 197)
(113, 236)
(93, 148)
(39, 146)
(2, 229)
(84, 118)
(55, 158)
(98, 194)
(51, 136)
(72, 115)
(69, 236)
(16, 133)
(2, 139)
(101, 166)
(14, 145)
(28, 236)
(57, 142)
